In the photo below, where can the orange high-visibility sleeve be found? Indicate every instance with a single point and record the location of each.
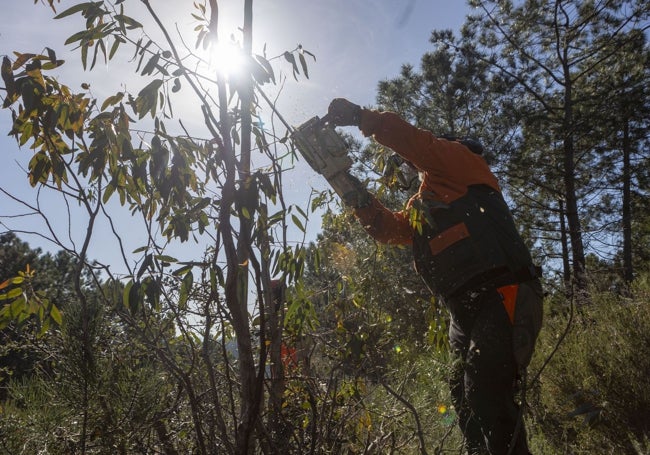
(450, 166)
(384, 225)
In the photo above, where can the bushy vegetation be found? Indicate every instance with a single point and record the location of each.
(593, 397)
(359, 383)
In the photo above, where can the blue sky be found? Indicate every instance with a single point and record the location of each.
(356, 43)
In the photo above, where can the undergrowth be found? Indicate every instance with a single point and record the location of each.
(593, 396)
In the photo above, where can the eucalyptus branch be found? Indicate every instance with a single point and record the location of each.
(178, 59)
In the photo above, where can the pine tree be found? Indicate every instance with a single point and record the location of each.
(547, 51)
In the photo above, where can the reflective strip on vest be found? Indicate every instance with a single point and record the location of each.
(448, 237)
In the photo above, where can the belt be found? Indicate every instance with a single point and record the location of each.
(501, 276)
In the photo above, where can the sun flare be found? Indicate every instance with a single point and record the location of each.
(226, 58)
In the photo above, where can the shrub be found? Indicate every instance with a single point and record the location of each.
(593, 397)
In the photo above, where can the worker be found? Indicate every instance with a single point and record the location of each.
(469, 253)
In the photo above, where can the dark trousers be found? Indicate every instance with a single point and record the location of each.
(485, 371)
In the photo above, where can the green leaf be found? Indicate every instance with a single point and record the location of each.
(98, 46)
(288, 56)
(148, 98)
(148, 261)
(114, 47)
(112, 100)
(84, 56)
(127, 293)
(44, 327)
(77, 37)
(309, 53)
(186, 287)
(18, 305)
(134, 297)
(165, 258)
(137, 48)
(303, 63)
(202, 203)
(74, 9)
(14, 293)
(183, 270)
(267, 66)
(177, 85)
(55, 314)
(200, 37)
(151, 65)
(51, 54)
(8, 78)
(301, 211)
(297, 222)
(108, 192)
(129, 21)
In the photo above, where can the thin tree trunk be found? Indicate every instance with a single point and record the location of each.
(570, 193)
(628, 271)
(279, 435)
(573, 218)
(566, 264)
(251, 394)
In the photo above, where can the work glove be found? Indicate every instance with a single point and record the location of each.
(352, 191)
(342, 112)
(358, 198)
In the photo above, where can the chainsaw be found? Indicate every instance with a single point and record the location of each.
(325, 151)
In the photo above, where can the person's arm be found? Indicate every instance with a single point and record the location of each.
(408, 141)
(391, 130)
(384, 225)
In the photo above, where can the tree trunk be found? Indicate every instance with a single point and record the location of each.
(250, 391)
(628, 271)
(564, 240)
(573, 218)
(570, 193)
(278, 431)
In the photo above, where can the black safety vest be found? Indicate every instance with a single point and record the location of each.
(471, 242)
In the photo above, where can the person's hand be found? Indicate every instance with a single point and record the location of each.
(342, 112)
(352, 191)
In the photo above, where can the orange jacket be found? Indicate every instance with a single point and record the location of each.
(449, 168)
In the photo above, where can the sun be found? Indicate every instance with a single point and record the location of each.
(226, 58)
